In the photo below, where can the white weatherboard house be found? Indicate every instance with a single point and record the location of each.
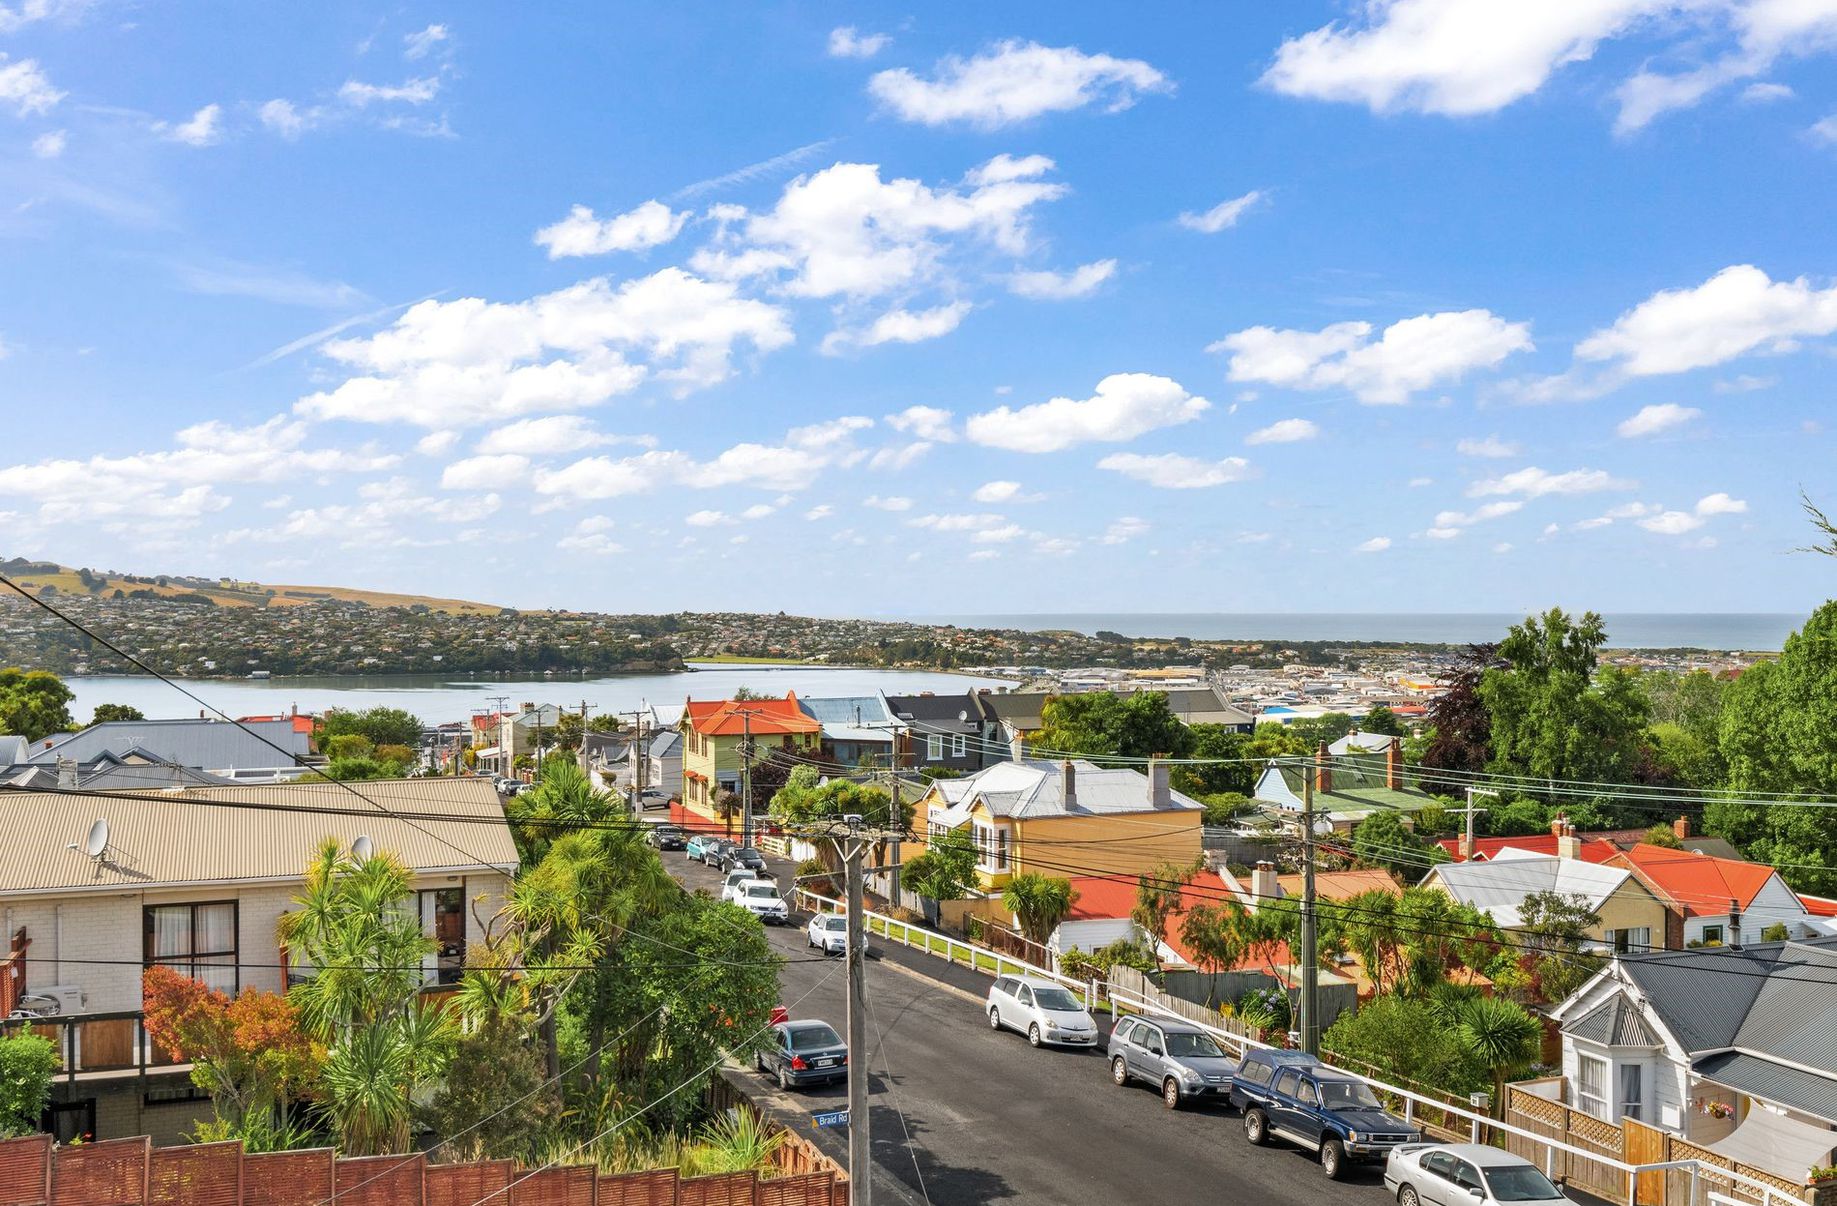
(197, 879)
(1735, 1049)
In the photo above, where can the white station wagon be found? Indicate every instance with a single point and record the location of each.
(1041, 1010)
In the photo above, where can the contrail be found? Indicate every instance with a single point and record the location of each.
(751, 171)
(325, 333)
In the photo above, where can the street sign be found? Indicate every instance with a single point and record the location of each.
(830, 1118)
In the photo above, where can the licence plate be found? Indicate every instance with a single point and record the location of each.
(824, 1063)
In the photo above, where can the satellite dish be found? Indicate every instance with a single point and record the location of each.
(361, 848)
(963, 717)
(97, 841)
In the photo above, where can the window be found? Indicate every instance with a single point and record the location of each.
(1125, 1030)
(1257, 1074)
(1150, 1040)
(1466, 1175)
(1198, 1045)
(959, 746)
(1591, 1085)
(1025, 995)
(934, 748)
(992, 848)
(1630, 1087)
(1712, 935)
(198, 940)
(1439, 1163)
(1305, 1094)
(1285, 1083)
(443, 918)
(1639, 938)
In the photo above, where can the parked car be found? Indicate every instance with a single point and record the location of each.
(696, 848)
(715, 852)
(1181, 1060)
(1041, 1010)
(1295, 1096)
(804, 1053)
(828, 932)
(742, 856)
(1464, 1174)
(761, 898)
(669, 837)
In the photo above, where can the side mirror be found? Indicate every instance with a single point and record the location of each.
(1476, 1191)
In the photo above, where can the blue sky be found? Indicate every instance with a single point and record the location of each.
(860, 309)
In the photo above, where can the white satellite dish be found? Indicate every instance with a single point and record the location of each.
(97, 842)
(361, 848)
(963, 717)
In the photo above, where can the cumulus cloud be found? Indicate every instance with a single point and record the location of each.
(1013, 82)
(1414, 354)
(707, 519)
(580, 233)
(485, 472)
(900, 326)
(1377, 544)
(1125, 405)
(893, 503)
(1720, 504)
(974, 522)
(1284, 431)
(926, 422)
(24, 86)
(1650, 420)
(847, 42)
(1124, 529)
(821, 511)
(1466, 519)
(1488, 446)
(1003, 492)
(797, 462)
(1062, 286)
(1536, 483)
(1172, 471)
(1737, 311)
(1671, 523)
(423, 42)
(540, 437)
(360, 95)
(285, 118)
(201, 130)
(1222, 216)
(50, 144)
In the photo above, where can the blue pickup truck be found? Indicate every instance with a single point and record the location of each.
(1293, 1096)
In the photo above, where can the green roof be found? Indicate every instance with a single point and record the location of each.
(1359, 786)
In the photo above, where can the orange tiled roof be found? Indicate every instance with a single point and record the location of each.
(1594, 849)
(1342, 885)
(1702, 883)
(730, 717)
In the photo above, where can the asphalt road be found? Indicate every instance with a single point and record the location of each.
(991, 1119)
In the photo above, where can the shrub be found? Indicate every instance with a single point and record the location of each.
(1777, 932)
(1265, 1008)
(27, 1064)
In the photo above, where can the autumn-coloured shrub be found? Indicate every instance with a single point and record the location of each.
(248, 1052)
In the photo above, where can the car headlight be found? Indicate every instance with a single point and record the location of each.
(1352, 1136)
(1192, 1077)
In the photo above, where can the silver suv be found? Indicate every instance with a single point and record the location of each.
(1041, 1010)
(1181, 1060)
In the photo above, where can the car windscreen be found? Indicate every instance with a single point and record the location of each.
(762, 891)
(1193, 1045)
(812, 1038)
(1056, 1000)
(835, 923)
(1520, 1185)
(1347, 1095)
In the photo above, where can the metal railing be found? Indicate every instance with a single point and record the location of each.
(98, 1043)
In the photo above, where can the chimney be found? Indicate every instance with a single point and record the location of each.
(1734, 925)
(1068, 778)
(1323, 769)
(66, 772)
(1467, 846)
(1393, 764)
(1681, 827)
(1263, 885)
(1568, 845)
(1159, 795)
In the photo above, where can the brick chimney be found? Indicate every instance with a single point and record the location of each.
(1393, 764)
(1467, 846)
(1323, 769)
(1160, 795)
(1681, 827)
(1263, 885)
(1568, 845)
(1068, 779)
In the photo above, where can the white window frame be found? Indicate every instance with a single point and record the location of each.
(959, 746)
(934, 748)
(1598, 1104)
(992, 848)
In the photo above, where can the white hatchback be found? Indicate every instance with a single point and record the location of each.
(828, 932)
(761, 899)
(1041, 1010)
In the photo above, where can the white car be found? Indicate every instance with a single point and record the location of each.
(1041, 1010)
(1465, 1174)
(732, 881)
(828, 932)
(763, 901)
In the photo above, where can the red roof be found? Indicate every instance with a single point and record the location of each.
(1818, 906)
(731, 717)
(1702, 883)
(1594, 849)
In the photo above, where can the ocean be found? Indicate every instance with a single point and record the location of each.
(1721, 631)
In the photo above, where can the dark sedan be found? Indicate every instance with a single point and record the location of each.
(669, 837)
(742, 857)
(804, 1053)
(716, 852)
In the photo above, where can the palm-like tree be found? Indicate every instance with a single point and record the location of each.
(1501, 1035)
(1039, 903)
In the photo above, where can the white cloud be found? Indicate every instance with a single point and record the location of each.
(1504, 546)
(1493, 510)
(926, 422)
(1825, 129)
(1536, 483)
(1653, 419)
(707, 519)
(419, 44)
(14, 17)
(1284, 431)
(1451, 57)
(796, 463)
(1766, 93)
(1765, 31)
(984, 555)
(1222, 216)
(360, 95)
(580, 233)
(958, 522)
(25, 87)
(822, 511)
(900, 326)
(540, 437)
(485, 472)
(1013, 82)
(391, 515)
(1414, 354)
(1721, 504)
(894, 503)
(1003, 492)
(1737, 311)
(999, 535)
(847, 42)
(844, 232)
(1671, 523)
(897, 456)
(1377, 544)
(435, 443)
(758, 511)
(1442, 533)
(1490, 446)
(1124, 406)
(1124, 529)
(200, 131)
(1417, 483)
(287, 119)
(469, 361)
(1062, 286)
(1171, 471)
(50, 144)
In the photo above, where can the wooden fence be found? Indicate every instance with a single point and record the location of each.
(132, 1172)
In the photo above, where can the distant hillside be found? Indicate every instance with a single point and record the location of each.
(41, 577)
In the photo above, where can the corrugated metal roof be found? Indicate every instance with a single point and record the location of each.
(1030, 789)
(1500, 885)
(193, 835)
(1791, 1087)
(851, 717)
(205, 744)
(1617, 1023)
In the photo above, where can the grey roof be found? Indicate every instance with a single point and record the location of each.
(850, 717)
(1034, 788)
(1794, 1088)
(1204, 705)
(937, 713)
(13, 749)
(132, 770)
(1018, 708)
(1500, 885)
(1715, 847)
(1672, 984)
(1616, 1023)
(665, 742)
(206, 744)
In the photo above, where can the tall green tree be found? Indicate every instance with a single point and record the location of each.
(947, 868)
(1383, 840)
(1102, 723)
(1039, 903)
(1231, 773)
(1214, 933)
(106, 712)
(34, 703)
(1381, 720)
(1159, 895)
(382, 725)
(1553, 927)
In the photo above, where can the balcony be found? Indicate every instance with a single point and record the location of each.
(98, 1046)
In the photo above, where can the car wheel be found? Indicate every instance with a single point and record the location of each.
(784, 1079)
(1119, 1071)
(1407, 1196)
(1256, 1126)
(1333, 1159)
(1033, 1035)
(994, 1018)
(1170, 1093)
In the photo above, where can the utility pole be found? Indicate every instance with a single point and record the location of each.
(1470, 812)
(641, 756)
(1310, 937)
(860, 1154)
(746, 785)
